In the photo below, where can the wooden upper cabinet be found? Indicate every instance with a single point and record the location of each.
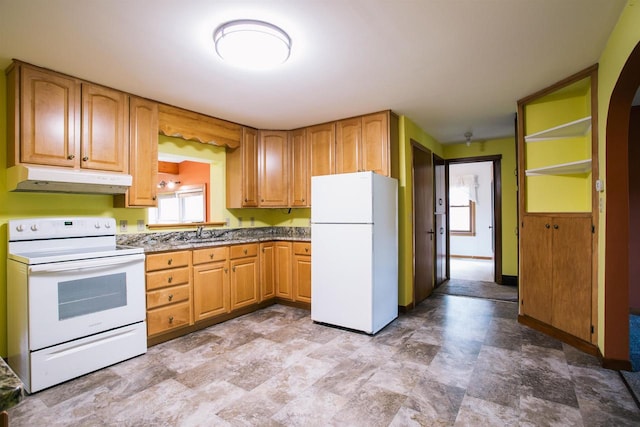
(300, 178)
(349, 145)
(46, 117)
(143, 155)
(364, 144)
(322, 146)
(273, 155)
(242, 172)
(105, 121)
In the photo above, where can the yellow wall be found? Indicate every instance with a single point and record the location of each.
(408, 131)
(506, 147)
(623, 39)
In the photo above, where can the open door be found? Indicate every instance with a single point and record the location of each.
(423, 223)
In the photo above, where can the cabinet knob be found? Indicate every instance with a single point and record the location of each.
(170, 319)
(547, 226)
(170, 261)
(226, 270)
(555, 226)
(302, 200)
(154, 198)
(211, 256)
(262, 200)
(170, 279)
(71, 157)
(170, 297)
(245, 199)
(234, 269)
(85, 159)
(245, 251)
(306, 249)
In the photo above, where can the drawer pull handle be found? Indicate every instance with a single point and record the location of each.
(210, 256)
(170, 319)
(170, 261)
(170, 297)
(245, 251)
(170, 279)
(306, 249)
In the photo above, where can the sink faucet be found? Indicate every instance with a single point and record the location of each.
(199, 231)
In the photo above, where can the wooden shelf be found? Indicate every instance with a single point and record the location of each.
(572, 168)
(568, 130)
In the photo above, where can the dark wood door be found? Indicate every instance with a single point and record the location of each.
(536, 267)
(423, 223)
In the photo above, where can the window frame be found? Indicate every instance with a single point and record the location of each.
(472, 220)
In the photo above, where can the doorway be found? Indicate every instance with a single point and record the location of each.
(475, 218)
(423, 222)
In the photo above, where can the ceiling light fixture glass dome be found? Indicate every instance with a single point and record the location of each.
(253, 44)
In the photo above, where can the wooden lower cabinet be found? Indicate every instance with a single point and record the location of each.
(244, 275)
(168, 284)
(267, 271)
(556, 266)
(302, 272)
(210, 282)
(282, 270)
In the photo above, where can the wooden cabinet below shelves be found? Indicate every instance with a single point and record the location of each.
(282, 270)
(302, 272)
(244, 275)
(556, 266)
(210, 282)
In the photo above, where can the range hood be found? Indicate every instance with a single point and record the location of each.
(63, 180)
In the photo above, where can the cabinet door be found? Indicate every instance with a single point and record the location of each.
(105, 116)
(244, 282)
(300, 179)
(283, 270)
(210, 290)
(349, 145)
(322, 140)
(302, 278)
(250, 168)
(536, 268)
(49, 118)
(375, 143)
(267, 273)
(273, 168)
(143, 156)
(572, 275)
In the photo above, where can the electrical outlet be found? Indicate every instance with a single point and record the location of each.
(123, 225)
(252, 220)
(141, 226)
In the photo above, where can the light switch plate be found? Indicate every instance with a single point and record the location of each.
(123, 225)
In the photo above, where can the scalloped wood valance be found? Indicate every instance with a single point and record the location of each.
(192, 126)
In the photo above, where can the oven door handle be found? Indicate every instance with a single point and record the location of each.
(86, 264)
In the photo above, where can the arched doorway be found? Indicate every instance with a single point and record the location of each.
(616, 290)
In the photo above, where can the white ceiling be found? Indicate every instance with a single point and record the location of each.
(451, 66)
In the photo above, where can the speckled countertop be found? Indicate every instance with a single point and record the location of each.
(176, 240)
(11, 388)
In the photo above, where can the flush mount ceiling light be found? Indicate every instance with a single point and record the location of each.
(252, 44)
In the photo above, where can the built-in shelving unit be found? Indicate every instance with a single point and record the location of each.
(571, 168)
(567, 130)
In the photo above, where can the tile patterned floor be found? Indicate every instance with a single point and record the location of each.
(451, 361)
(478, 289)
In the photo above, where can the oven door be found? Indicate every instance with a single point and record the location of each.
(74, 299)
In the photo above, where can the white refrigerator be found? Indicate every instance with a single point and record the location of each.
(354, 239)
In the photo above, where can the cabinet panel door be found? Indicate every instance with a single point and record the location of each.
(302, 278)
(267, 274)
(536, 268)
(143, 165)
(375, 143)
(322, 143)
(250, 168)
(300, 179)
(348, 145)
(105, 114)
(244, 282)
(572, 276)
(49, 118)
(283, 270)
(210, 290)
(273, 168)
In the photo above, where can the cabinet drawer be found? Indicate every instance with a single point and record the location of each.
(302, 248)
(169, 317)
(200, 256)
(168, 260)
(166, 296)
(164, 278)
(241, 251)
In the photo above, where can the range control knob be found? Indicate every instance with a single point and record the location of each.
(97, 225)
(34, 227)
(107, 225)
(20, 228)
